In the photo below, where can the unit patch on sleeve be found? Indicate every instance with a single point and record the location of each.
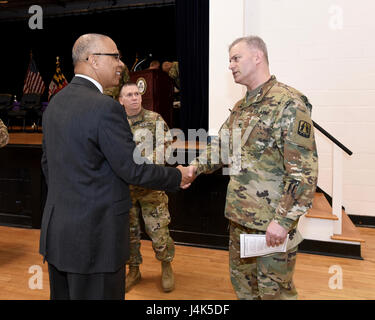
(304, 129)
(302, 133)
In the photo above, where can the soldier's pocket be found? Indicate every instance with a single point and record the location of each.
(258, 140)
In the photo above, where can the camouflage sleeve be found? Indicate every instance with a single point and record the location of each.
(174, 73)
(163, 141)
(210, 160)
(126, 75)
(114, 92)
(295, 139)
(4, 137)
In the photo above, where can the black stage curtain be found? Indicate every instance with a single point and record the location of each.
(192, 31)
(135, 30)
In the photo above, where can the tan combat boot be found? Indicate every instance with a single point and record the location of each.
(167, 277)
(132, 278)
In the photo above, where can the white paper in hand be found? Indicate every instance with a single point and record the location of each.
(254, 245)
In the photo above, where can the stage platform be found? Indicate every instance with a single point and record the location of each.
(197, 214)
(24, 138)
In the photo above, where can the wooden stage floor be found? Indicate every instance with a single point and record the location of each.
(201, 274)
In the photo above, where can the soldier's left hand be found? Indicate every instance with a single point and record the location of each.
(275, 234)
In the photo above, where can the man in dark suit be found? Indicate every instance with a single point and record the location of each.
(88, 163)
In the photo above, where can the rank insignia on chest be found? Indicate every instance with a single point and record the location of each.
(140, 124)
(304, 129)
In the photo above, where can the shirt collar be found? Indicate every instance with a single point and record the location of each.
(262, 90)
(252, 93)
(97, 84)
(137, 117)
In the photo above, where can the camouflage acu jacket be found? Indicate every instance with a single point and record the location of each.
(4, 137)
(278, 158)
(152, 137)
(174, 73)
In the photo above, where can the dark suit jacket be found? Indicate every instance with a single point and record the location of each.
(88, 163)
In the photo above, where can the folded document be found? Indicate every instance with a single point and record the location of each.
(254, 245)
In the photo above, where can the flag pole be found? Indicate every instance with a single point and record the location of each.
(31, 57)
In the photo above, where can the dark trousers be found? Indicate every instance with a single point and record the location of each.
(97, 286)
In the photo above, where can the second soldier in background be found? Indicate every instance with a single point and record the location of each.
(4, 136)
(153, 205)
(114, 92)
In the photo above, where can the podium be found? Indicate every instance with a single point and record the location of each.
(156, 88)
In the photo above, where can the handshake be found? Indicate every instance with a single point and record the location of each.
(188, 175)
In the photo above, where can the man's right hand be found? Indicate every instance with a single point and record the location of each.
(188, 175)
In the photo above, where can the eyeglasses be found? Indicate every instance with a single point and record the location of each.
(117, 56)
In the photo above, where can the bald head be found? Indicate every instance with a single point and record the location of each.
(85, 45)
(97, 56)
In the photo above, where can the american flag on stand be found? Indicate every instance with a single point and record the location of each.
(33, 81)
(58, 81)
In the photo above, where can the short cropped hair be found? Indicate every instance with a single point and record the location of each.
(253, 42)
(128, 84)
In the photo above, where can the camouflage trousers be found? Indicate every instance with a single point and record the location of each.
(153, 206)
(265, 277)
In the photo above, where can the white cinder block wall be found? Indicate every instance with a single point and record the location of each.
(226, 23)
(326, 49)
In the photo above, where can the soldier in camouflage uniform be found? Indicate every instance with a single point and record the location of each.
(173, 71)
(114, 92)
(4, 137)
(152, 204)
(274, 172)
